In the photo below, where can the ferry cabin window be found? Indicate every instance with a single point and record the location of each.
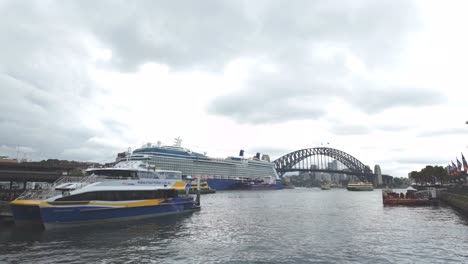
(121, 195)
(147, 175)
(171, 175)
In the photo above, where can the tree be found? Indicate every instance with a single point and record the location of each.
(415, 176)
(397, 182)
(429, 174)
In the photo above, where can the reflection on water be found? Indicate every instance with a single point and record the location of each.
(287, 226)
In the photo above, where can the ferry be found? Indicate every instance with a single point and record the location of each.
(204, 187)
(325, 186)
(108, 194)
(231, 173)
(360, 186)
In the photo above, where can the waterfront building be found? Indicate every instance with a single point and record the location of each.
(378, 173)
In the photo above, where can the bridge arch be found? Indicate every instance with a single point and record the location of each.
(287, 162)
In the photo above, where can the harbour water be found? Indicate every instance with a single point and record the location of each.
(285, 226)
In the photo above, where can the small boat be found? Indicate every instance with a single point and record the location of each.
(265, 183)
(108, 194)
(325, 186)
(204, 188)
(412, 197)
(360, 186)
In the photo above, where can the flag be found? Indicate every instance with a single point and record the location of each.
(449, 169)
(465, 165)
(454, 168)
(459, 165)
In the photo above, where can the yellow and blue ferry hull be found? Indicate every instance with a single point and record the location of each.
(55, 214)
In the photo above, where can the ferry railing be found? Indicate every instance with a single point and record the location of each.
(37, 194)
(41, 194)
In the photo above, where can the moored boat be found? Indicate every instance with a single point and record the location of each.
(412, 197)
(325, 186)
(103, 196)
(204, 187)
(266, 183)
(360, 186)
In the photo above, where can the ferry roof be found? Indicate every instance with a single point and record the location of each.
(175, 186)
(130, 185)
(115, 168)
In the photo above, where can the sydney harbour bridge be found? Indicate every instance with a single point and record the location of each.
(329, 161)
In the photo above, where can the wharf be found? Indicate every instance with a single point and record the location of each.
(456, 197)
(15, 176)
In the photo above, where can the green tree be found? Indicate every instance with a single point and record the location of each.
(397, 182)
(429, 174)
(415, 176)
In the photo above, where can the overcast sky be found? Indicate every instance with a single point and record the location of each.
(384, 81)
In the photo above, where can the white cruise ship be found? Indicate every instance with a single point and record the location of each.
(221, 174)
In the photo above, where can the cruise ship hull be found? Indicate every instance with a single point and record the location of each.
(231, 184)
(223, 184)
(261, 187)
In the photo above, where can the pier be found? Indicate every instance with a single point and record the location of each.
(18, 175)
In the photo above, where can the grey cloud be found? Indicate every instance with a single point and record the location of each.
(274, 153)
(445, 132)
(398, 150)
(189, 34)
(264, 107)
(340, 127)
(392, 127)
(44, 84)
(113, 124)
(349, 129)
(299, 91)
(209, 33)
(375, 98)
(91, 152)
(422, 160)
(314, 100)
(357, 29)
(43, 66)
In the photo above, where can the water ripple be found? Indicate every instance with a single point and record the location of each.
(287, 226)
